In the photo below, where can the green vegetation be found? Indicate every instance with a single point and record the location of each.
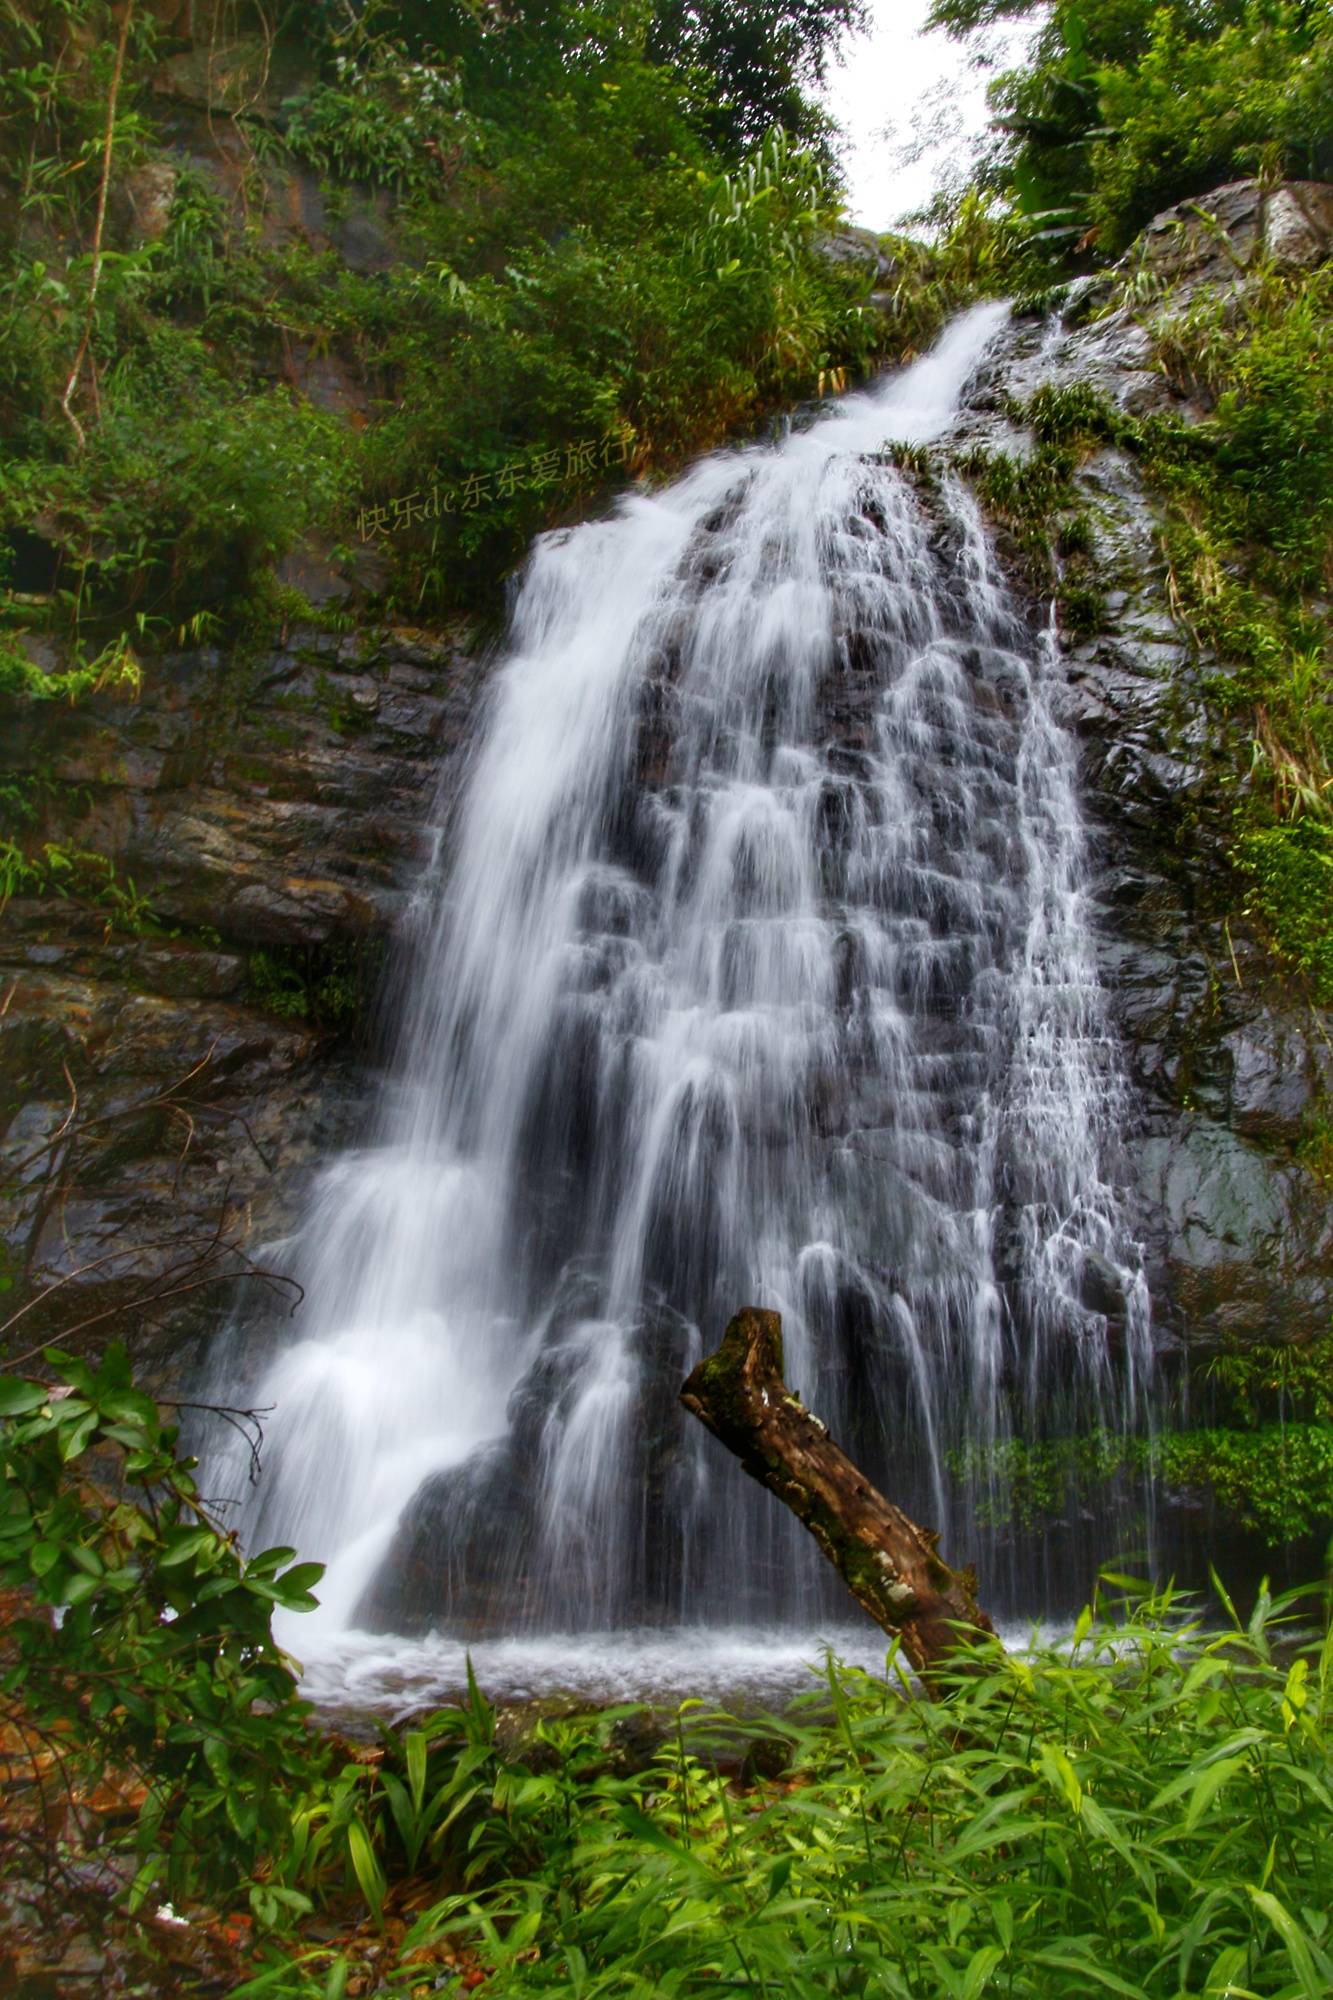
(571, 241)
(1250, 549)
(1141, 1810)
(162, 1672)
(541, 251)
(585, 261)
(1033, 497)
(52, 870)
(1276, 1481)
(331, 986)
(1127, 106)
(1264, 1458)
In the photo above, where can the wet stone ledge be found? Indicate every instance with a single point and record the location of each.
(187, 1026)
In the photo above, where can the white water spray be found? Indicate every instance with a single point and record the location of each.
(760, 974)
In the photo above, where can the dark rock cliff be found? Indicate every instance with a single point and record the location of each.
(177, 1049)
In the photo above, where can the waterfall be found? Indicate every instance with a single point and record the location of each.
(758, 972)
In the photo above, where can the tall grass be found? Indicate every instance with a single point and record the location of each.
(1145, 1809)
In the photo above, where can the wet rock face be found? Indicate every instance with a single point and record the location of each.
(1232, 1067)
(177, 1053)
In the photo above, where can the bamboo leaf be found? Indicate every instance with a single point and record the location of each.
(368, 1872)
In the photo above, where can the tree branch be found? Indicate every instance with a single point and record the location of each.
(892, 1567)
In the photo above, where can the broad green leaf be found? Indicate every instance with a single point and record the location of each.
(414, 1752)
(980, 1967)
(1087, 1968)
(18, 1397)
(183, 1544)
(1060, 1774)
(1312, 1968)
(367, 1869)
(1295, 1694)
(1208, 1785)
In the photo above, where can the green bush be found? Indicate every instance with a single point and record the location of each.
(159, 1668)
(1140, 1809)
(1290, 868)
(1124, 107)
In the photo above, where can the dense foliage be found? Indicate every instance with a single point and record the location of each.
(746, 67)
(1138, 1813)
(1140, 1810)
(1127, 106)
(1247, 1439)
(571, 275)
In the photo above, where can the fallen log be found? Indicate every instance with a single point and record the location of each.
(892, 1567)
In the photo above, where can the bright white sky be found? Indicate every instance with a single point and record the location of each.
(896, 83)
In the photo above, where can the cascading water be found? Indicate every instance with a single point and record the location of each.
(760, 974)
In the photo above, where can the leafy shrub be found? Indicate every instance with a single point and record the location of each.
(1192, 109)
(1275, 1480)
(145, 1653)
(1264, 1460)
(1138, 1810)
(384, 117)
(1123, 107)
(1290, 867)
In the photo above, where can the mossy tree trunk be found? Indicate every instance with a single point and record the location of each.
(891, 1566)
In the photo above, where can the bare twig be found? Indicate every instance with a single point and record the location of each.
(239, 1420)
(70, 1115)
(221, 1260)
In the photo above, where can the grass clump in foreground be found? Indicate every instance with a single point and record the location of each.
(1142, 1809)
